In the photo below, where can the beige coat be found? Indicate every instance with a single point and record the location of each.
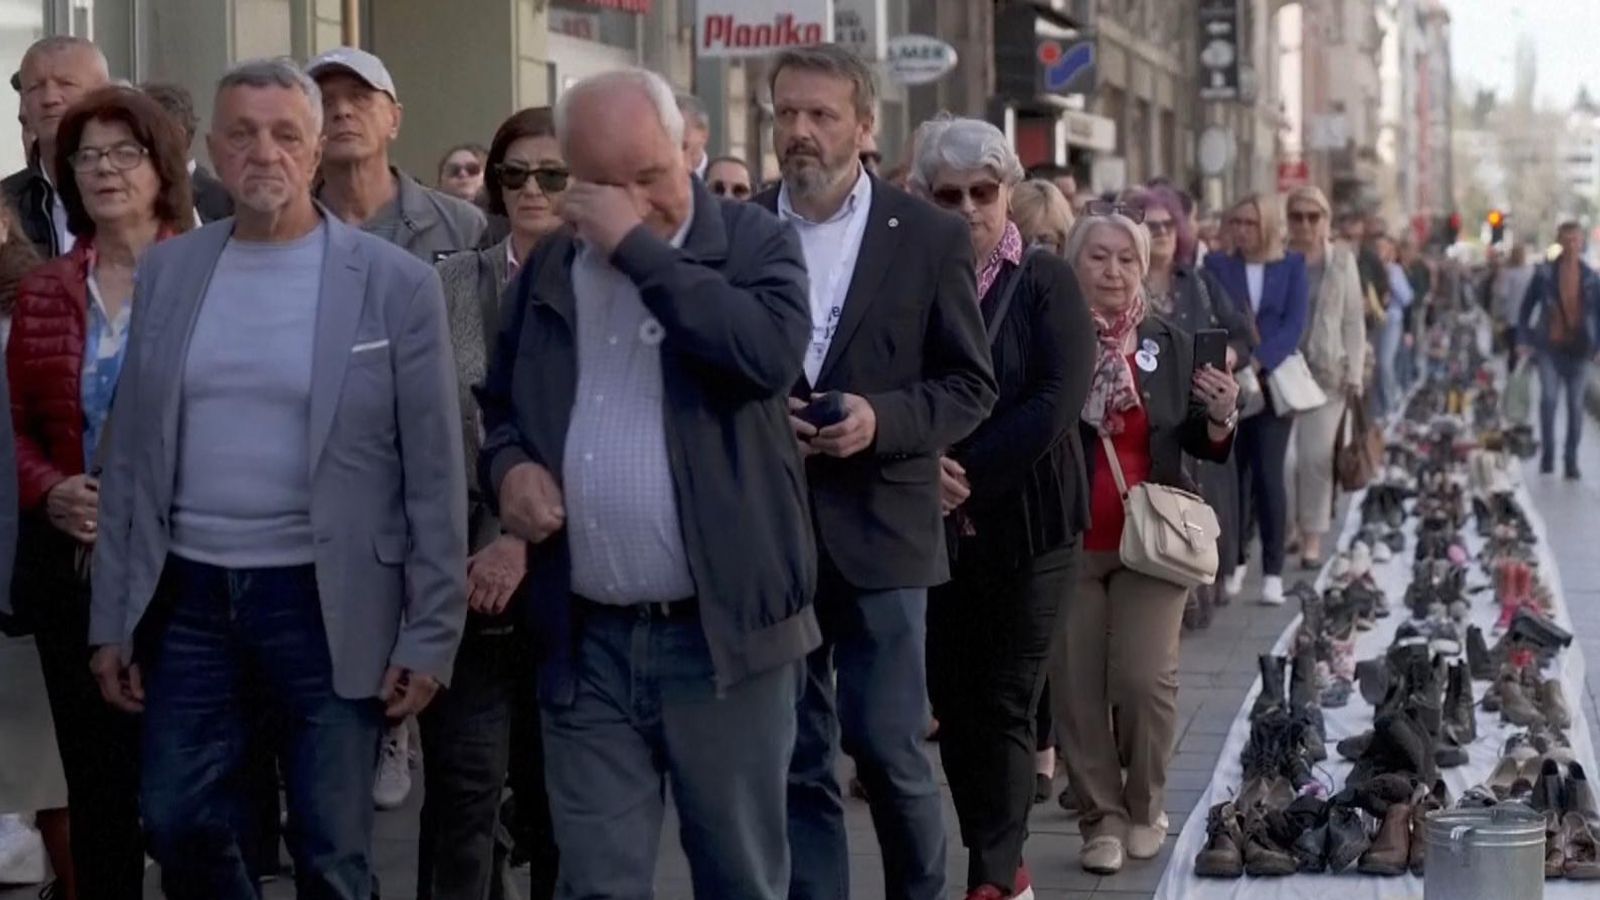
(1335, 341)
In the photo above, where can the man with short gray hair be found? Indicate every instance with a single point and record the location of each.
(56, 72)
(896, 371)
(636, 436)
(283, 515)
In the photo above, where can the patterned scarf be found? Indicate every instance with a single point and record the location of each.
(1111, 388)
(1008, 250)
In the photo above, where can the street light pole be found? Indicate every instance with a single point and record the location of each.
(350, 24)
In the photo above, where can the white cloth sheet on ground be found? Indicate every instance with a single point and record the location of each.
(1180, 883)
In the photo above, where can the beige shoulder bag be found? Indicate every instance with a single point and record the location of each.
(1167, 533)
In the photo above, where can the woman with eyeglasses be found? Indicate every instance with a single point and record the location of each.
(461, 172)
(469, 732)
(1335, 348)
(1193, 300)
(1014, 502)
(1148, 405)
(1270, 284)
(729, 176)
(125, 186)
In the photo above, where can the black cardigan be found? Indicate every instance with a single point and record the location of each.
(1178, 422)
(1025, 462)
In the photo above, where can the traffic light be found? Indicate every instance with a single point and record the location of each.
(1497, 226)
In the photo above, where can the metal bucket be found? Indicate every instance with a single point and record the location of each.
(1485, 854)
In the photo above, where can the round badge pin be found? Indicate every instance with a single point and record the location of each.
(1145, 360)
(1151, 347)
(651, 332)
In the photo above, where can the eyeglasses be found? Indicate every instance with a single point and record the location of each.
(1305, 218)
(1053, 243)
(463, 170)
(735, 189)
(1244, 223)
(551, 179)
(984, 193)
(1109, 208)
(123, 156)
(1158, 227)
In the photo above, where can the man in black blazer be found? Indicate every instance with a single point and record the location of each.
(895, 330)
(211, 200)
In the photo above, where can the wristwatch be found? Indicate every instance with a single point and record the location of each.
(1228, 423)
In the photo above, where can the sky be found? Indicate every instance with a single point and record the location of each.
(1566, 34)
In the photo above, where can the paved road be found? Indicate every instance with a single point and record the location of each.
(1218, 667)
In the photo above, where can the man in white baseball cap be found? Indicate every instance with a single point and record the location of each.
(361, 118)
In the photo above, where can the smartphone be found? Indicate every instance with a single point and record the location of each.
(1211, 348)
(824, 411)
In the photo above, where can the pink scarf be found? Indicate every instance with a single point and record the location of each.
(1111, 388)
(1008, 250)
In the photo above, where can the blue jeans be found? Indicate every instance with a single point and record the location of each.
(877, 639)
(648, 713)
(1561, 371)
(1388, 363)
(226, 651)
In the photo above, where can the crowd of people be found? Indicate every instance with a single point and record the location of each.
(539, 479)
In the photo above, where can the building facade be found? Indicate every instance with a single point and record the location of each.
(1341, 98)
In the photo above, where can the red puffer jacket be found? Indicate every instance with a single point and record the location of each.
(44, 362)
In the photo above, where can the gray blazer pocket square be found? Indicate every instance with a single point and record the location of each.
(369, 346)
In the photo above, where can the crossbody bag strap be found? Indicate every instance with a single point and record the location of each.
(1002, 306)
(1116, 466)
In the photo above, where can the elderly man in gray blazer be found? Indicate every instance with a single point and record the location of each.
(284, 529)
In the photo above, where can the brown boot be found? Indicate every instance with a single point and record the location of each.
(1428, 801)
(1391, 849)
(1515, 707)
(1555, 846)
(1583, 851)
(1553, 703)
(1223, 856)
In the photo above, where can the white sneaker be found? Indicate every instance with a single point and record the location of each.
(1272, 590)
(22, 858)
(393, 784)
(1234, 586)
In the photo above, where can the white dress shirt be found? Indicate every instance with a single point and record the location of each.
(65, 239)
(830, 248)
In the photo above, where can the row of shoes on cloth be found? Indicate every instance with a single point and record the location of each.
(1537, 770)
(1376, 828)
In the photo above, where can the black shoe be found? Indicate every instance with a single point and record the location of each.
(1547, 466)
(1572, 472)
(1273, 687)
(1478, 661)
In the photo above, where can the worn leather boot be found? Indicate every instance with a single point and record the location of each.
(1553, 703)
(1478, 661)
(1428, 801)
(1550, 788)
(1272, 684)
(1347, 837)
(1264, 856)
(1514, 704)
(1580, 797)
(1390, 852)
(1223, 855)
(1461, 724)
(1555, 847)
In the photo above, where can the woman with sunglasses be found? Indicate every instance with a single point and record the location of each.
(729, 176)
(461, 172)
(469, 731)
(1012, 494)
(1270, 284)
(1193, 300)
(1335, 348)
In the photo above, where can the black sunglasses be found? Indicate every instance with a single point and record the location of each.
(551, 180)
(459, 170)
(984, 193)
(1108, 208)
(737, 190)
(1305, 218)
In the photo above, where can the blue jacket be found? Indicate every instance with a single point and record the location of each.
(1281, 320)
(1533, 323)
(733, 303)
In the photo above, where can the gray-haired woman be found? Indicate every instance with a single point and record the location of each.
(1148, 406)
(1014, 503)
